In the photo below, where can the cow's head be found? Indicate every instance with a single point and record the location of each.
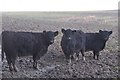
(68, 33)
(105, 34)
(49, 36)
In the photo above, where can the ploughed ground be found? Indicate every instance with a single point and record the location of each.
(53, 64)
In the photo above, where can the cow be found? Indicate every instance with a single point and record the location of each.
(96, 42)
(72, 43)
(18, 44)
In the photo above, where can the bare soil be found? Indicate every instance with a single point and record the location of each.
(53, 64)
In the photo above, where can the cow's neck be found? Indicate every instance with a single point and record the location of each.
(46, 43)
(44, 40)
(103, 42)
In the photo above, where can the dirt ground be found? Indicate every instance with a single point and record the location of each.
(53, 64)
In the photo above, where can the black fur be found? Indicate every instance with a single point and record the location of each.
(17, 44)
(96, 41)
(73, 41)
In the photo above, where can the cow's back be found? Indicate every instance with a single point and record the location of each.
(7, 39)
(80, 39)
(21, 43)
(93, 41)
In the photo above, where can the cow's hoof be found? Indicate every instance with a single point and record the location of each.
(83, 58)
(68, 62)
(72, 57)
(77, 59)
(12, 73)
(11, 69)
(35, 67)
(97, 59)
(16, 69)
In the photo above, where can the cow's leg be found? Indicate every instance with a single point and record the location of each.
(68, 58)
(74, 56)
(10, 66)
(82, 52)
(14, 66)
(96, 54)
(2, 54)
(9, 62)
(35, 66)
(77, 56)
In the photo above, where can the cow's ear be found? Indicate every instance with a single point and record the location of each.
(110, 32)
(74, 31)
(44, 31)
(56, 33)
(100, 31)
(63, 30)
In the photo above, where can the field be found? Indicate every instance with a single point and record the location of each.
(53, 64)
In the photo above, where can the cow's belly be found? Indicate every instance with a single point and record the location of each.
(23, 50)
(24, 54)
(88, 49)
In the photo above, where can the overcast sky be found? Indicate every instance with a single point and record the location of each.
(58, 5)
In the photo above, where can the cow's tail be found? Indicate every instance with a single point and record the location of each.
(2, 55)
(1, 44)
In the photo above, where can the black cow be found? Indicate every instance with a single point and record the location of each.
(17, 44)
(73, 42)
(96, 41)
